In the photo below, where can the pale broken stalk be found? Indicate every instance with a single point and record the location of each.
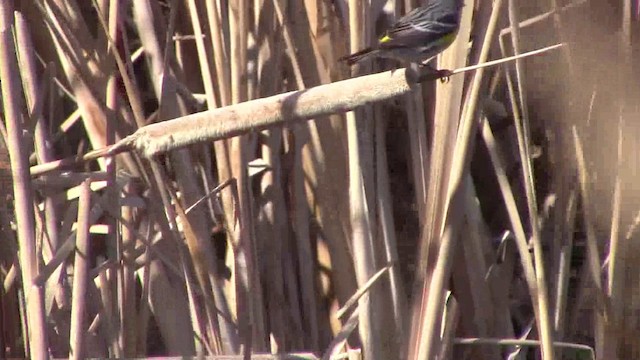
(14, 113)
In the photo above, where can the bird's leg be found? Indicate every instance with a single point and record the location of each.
(417, 68)
(419, 72)
(412, 72)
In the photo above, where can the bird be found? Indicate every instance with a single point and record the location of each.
(418, 36)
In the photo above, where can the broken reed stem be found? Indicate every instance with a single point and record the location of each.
(281, 109)
(278, 110)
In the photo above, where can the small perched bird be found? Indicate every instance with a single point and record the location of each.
(418, 36)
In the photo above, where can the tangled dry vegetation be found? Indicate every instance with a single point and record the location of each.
(491, 216)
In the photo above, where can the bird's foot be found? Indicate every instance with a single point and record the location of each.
(424, 72)
(444, 75)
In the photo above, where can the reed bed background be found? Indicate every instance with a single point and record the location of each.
(490, 216)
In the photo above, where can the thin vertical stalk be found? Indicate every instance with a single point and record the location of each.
(388, 235)
(43, 148)
(432, 296)
(124, 342)
(205, 70)
(419, 149)
(120, 344)
(272, 237)
(618, 260)
(268, 15)
(80, 275)
(253, 316)
(169, 231)
(562, 36)
(300, 209)
(564, 266)
(306, 262)
(126, 280)
(171, 106)
(110, 324)
(238, 28)
(445, 125)
(443, 140)
(593, 256)
(14, 113)
(416, 121)
(523, 132)
(221, 150)
(363, 247)
(221, 58)
(512, 210)
(202, 258)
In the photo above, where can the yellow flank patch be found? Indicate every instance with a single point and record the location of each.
(449, 37)
(384, 39)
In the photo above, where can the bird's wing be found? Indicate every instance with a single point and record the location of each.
(424, 25)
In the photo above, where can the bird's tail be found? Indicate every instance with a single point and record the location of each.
(356, 57)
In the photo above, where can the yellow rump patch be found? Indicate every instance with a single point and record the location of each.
(384, 39)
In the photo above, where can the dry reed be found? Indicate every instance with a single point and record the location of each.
(200, 178)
